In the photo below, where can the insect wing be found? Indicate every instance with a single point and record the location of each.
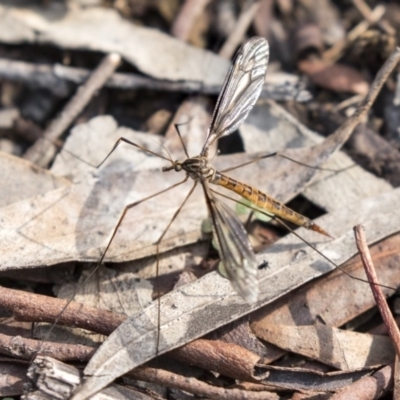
(240, 90)
(234, 248)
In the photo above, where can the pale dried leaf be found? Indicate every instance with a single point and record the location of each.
(369, 387)
(193, 118)
(103, 29)
(339, 348)
(282, 131)
(125, 290)
(20, 180)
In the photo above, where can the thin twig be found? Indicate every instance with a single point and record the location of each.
(336, 51)
(344, 131)
(203, 353)
(57, 79)
(380, 299)
(396, 379)
(187, 16)
(25, 348)
(195, 386)
(237, 35)
(34, 307)
(367, 13)
(44, 150)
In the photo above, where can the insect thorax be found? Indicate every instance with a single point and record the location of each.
(198, 168)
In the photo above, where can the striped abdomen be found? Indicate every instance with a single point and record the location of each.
(265, 202)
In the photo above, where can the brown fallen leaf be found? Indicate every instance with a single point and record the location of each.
(336, 299)
(336, 77)
(369, 387)
(341, 349)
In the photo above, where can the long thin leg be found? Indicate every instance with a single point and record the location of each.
(116, 144)
(158, 261)
(250, 162)
(129, 206)
(297, 235)
(279, 155)
(181, 139)
(124, 140)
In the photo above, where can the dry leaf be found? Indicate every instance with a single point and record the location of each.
(341, 349)
(21, 180)
(103, 29)
(336, 299)
(282, 131)
(336, 77)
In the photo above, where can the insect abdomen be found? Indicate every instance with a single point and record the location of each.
(265, 202)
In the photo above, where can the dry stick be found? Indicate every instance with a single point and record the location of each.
(25, 348)
(56, 78)
(396, 379)
(35, 75)
(196, 387)
(187, 16)
(44, 149)
(336, 51)
(237, 35)
(50, 368)
(380, 299)
(34, 307)
(366, 12)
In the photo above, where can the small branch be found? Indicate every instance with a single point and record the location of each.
(396, 379)
(281, 87)
(44, 150)
(26, 349)
(196, 387)
(344, 131)
(187, 16)
(33, 307)
(367, 13)
(57, 78)
(380, 299)
(225, 358)
(228, 359)
(336, 51)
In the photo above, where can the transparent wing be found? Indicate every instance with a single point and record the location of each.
(240, 90)
(234, 248)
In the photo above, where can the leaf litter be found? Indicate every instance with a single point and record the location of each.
(126, 349)
(44, 249)
(139, 163)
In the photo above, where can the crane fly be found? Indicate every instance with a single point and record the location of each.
(238, 95)
(240, 91)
